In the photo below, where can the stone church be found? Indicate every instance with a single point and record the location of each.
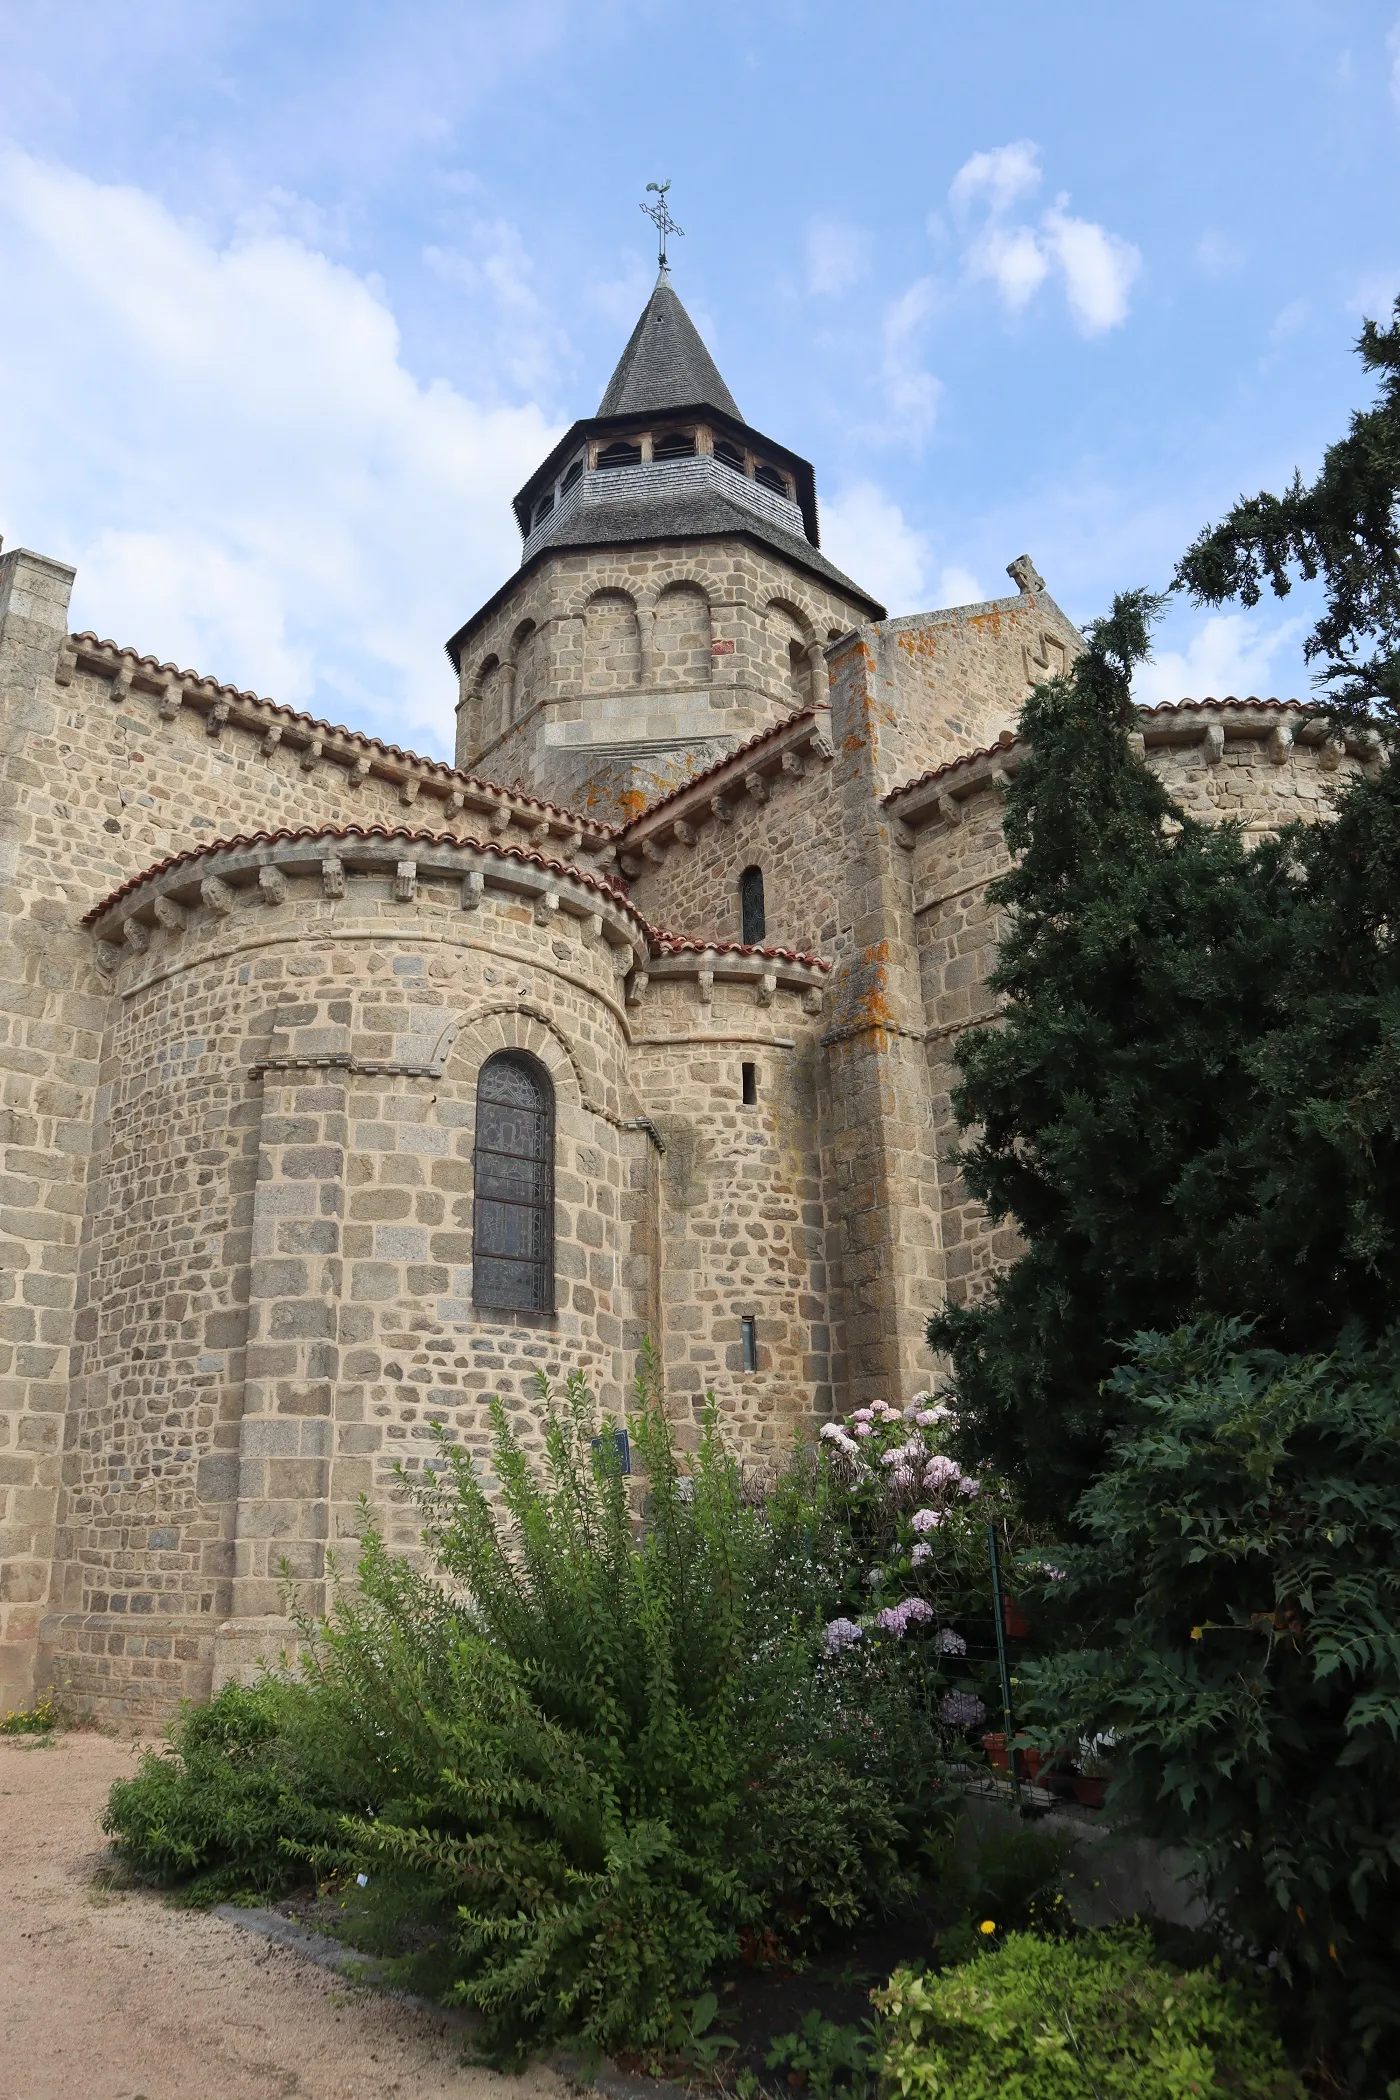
(343, 1089)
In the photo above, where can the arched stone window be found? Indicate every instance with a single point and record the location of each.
(513, 1186)
(751, 912)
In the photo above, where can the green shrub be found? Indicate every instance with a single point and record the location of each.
(241, 1780)
(993, 1866)
(578, 1763)
(1237, 1603)
(609, 1784)
(1092, 2018)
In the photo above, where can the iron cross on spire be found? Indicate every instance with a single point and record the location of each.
(661, 218)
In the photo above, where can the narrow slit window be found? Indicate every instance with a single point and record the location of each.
(513, 1187)
(748, 1329)
(748, 1078)
(751, 912)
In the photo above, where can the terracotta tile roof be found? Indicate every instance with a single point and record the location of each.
(755, 743)
(951, 766)
(686, 944)
(615, 891)
(661, 943)
(316, 727)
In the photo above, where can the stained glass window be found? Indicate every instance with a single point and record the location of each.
(513, 1207)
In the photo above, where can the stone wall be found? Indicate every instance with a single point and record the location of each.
(110, 762)
(603, 679)
(940, 683)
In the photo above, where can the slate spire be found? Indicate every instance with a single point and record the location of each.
(665, 364)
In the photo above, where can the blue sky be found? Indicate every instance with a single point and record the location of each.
(295, 295)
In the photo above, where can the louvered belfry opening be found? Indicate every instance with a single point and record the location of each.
(513, 1196)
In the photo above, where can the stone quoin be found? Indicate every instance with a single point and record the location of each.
(344, 1089)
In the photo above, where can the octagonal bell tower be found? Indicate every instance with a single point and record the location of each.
(672, 598)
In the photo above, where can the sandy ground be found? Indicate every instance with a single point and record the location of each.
(114, 1996)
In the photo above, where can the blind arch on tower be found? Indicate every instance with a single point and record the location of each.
(513, 1186)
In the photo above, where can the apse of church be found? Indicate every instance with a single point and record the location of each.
(344, 1089)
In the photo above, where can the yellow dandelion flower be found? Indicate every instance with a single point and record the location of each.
(1195, 1633)
(987, 1925)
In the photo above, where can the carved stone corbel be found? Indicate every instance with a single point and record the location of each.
(405, 881)
(216, 895)
(272, 886)
(333, 877)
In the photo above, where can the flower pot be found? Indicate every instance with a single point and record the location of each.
(1014, 1620)
(1089, 1789)
(995, 1747)
(1048, 1769)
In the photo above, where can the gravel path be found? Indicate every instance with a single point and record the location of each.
(114, 1996)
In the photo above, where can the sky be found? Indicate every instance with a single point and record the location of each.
(294, 295)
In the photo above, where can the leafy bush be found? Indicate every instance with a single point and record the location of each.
(242, 1778)
(993, 1867)
(1064, 2019)
(583, 1760)
(1238, 1593)
(834, 2062)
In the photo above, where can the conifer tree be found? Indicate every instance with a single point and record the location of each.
(1190, 1100)
(1134, 975)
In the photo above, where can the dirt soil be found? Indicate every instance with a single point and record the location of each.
(116, 1996)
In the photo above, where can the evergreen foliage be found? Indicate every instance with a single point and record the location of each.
(1190, 1102)
(1237, 1593)
(1344, 527)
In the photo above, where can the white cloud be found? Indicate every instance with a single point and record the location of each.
(1014, 258)
(496, 273)
(1230, 654)
(838, 255)
(1099, 269)
(868, 536)
(1375, 296)
(1096, 267)
(1003, 176)
(911, 392)
(226, 442)
(958, 586)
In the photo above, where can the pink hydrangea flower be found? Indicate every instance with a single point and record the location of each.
(862, 1428)
(922, 1552)
(926, 1519)
(941, 1472)
(969, 1487)
(898, 1618)
(951, 1643)
(839, 1634)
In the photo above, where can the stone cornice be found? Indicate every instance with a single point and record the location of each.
(205, 888)
(1212, 724)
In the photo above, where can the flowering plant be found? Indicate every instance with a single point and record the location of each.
(917, 1522)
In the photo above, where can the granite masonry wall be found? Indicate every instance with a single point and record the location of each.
(603, 679)
(237, 1107)
(110, 762)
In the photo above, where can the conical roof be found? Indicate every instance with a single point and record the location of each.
(665, 364)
